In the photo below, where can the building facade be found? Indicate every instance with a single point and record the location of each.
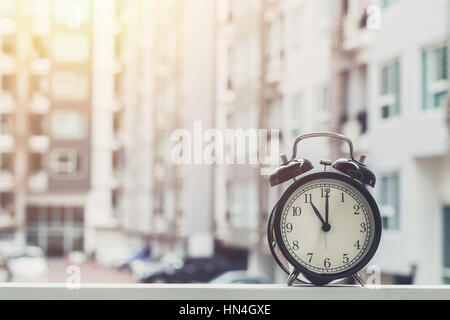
(46, 122)
(391, 85)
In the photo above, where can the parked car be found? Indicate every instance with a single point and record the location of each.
(194, 270)
(143, 269)
(241, 277)
(27, 264)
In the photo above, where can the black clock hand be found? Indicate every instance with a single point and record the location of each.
(325, 226)
(317, 213)
(327, 192)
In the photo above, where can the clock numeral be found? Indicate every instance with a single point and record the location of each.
(325, 192)
(296, 211)
(342, 197)
(345, 259)
(357, 208)
(363, 228)
(289, 227)
(327, 263)
(308, 198)
(295, 245)
(310, 255)
(357, 245)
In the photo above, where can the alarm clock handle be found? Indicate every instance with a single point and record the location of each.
(322, 135)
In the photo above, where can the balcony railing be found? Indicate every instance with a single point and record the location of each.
(218, 292)
(7, 102)
(38, 182)
(6, 180)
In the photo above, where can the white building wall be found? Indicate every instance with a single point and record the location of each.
(397, 144)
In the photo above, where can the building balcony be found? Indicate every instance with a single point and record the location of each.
(6, 219)
(7, 102)
(38, 182)
(40, 103)
(39, 144)
(6, 143)
(355, 129)
(41, 66)
(356, 37)
(7, 64)
(6, 180)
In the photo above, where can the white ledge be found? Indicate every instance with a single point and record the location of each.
(218, 292)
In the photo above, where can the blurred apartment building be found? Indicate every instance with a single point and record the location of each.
(159, 73)
(91, 92)
(45, 122)
(348, 66)
(273, 62)
(88, 107)
(365, 69)
(393, 85)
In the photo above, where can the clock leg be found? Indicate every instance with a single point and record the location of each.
(359, 279)
(292, 277)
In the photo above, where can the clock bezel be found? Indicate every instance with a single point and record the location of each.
(320, 278)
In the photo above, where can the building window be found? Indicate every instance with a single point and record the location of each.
(390, 89)
(435, 76)
(57, 230)
(68, 125)
(389, 199)
(446, 245)
(37, 125)
(6, 201)
(9, 45)
(70, 86)
(37, 162)
(6, 162)
(388, 3)
(6, 124)
(67, 163)
(323, 23)
(8, 83)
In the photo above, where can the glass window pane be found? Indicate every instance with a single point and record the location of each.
(68, 125)
(446, 239)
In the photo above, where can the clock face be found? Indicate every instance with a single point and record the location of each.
(327, 226)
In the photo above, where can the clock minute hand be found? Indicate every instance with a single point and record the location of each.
(327, 191)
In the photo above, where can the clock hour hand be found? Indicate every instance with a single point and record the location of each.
(325, 226)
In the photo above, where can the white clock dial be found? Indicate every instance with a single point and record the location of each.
(327, 243)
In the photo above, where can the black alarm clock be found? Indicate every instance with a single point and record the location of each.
(326, 226)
